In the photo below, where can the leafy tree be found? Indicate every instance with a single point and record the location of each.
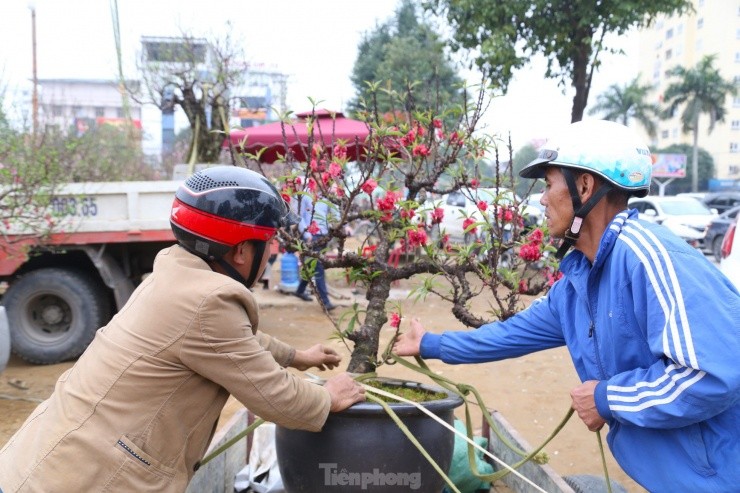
(623, 103)
(404, 53)
(700, 90)
(196, 75)
(705, 166)
(571, 35)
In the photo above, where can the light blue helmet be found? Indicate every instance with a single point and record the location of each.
(604, 148)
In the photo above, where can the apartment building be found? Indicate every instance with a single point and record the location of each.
(712, 29)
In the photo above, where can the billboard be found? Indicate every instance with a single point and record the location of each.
(669, 165)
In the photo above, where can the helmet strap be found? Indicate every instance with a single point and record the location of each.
(581, 210)
(259, 252)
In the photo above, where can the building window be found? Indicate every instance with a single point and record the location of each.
(737, 57)
(99, 111)
(664, 134)
(674, 133)
(735, 125)
(56, 110)
(737, 34)
(734, 169)
(119, 112)
(736, 102)
(679, 29)
(734, 147)
(701, 3)
(669, 34)
(668, 54)
(700, 23)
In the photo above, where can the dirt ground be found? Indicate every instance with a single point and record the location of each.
(531, 391)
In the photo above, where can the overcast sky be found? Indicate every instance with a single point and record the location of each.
(314, 42)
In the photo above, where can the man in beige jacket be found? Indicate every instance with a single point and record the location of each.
(138, 409)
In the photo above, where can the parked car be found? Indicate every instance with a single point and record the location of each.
(722, 201)
(4, 339)
(685, 216)
(730, 262)
(459, 205)
(716, 231)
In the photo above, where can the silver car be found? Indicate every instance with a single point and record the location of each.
(687, 217)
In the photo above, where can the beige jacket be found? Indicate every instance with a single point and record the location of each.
(138, 409)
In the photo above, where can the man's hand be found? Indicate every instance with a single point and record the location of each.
(585, 405)
(344, 391)
(409, 343)
(319, 356)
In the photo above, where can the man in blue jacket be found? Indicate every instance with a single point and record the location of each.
(652, 327)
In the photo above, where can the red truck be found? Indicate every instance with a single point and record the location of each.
(60, 292)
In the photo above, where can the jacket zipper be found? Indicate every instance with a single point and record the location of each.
(592, 335)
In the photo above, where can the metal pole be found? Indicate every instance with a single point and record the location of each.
(35, 97)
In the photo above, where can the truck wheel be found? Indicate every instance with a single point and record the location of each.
(717, 247)
(53, 314)
(586, 483)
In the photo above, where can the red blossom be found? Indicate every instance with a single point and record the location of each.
(552, 277)
(395, 320)
(388, 202)
(420, 150)
(530, 252)
(482, 205)
(417, 237)
(523, 287)
(408, 213)
(469, 221)
(369, 186)
(437, 123)
(474, 183)
(313, 228)
(536, 236)
(387, 217)
(286, 197)
(311, 185)
(437, 215)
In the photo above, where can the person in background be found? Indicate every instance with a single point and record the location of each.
(314, 224)
(652, 327)
(138, 409)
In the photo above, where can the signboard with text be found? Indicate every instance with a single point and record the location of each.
(669, 165)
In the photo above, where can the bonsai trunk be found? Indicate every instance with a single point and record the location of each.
(367, 338)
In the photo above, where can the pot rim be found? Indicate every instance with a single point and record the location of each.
(401, 408)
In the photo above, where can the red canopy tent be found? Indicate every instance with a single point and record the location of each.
(328, 128)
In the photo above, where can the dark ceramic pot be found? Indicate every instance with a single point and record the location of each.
(362, 449)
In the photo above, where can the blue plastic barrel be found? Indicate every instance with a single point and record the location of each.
(289, 277)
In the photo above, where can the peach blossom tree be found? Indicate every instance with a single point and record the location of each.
(410, 161)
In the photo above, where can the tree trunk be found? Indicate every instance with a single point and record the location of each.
(367, 338)
(581, 79)
(695, 157)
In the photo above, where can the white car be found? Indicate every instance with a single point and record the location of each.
(4, 339)
(729, 263)
(462, 204)
(687, 217)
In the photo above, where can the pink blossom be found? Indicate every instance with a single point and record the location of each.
(311, 185)
(482, 205)
(437, 123)
(340, 151)
(369, 186)
(552, 277)
(335, 169)
(314, 165)
(395, 320)
(469, 221)
(474, 183)
(408, 213)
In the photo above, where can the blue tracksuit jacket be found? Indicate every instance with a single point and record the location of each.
(659, 327)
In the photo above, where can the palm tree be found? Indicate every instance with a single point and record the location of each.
(622, 103)
(700, 90)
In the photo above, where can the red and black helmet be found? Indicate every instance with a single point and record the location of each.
(222, 206)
